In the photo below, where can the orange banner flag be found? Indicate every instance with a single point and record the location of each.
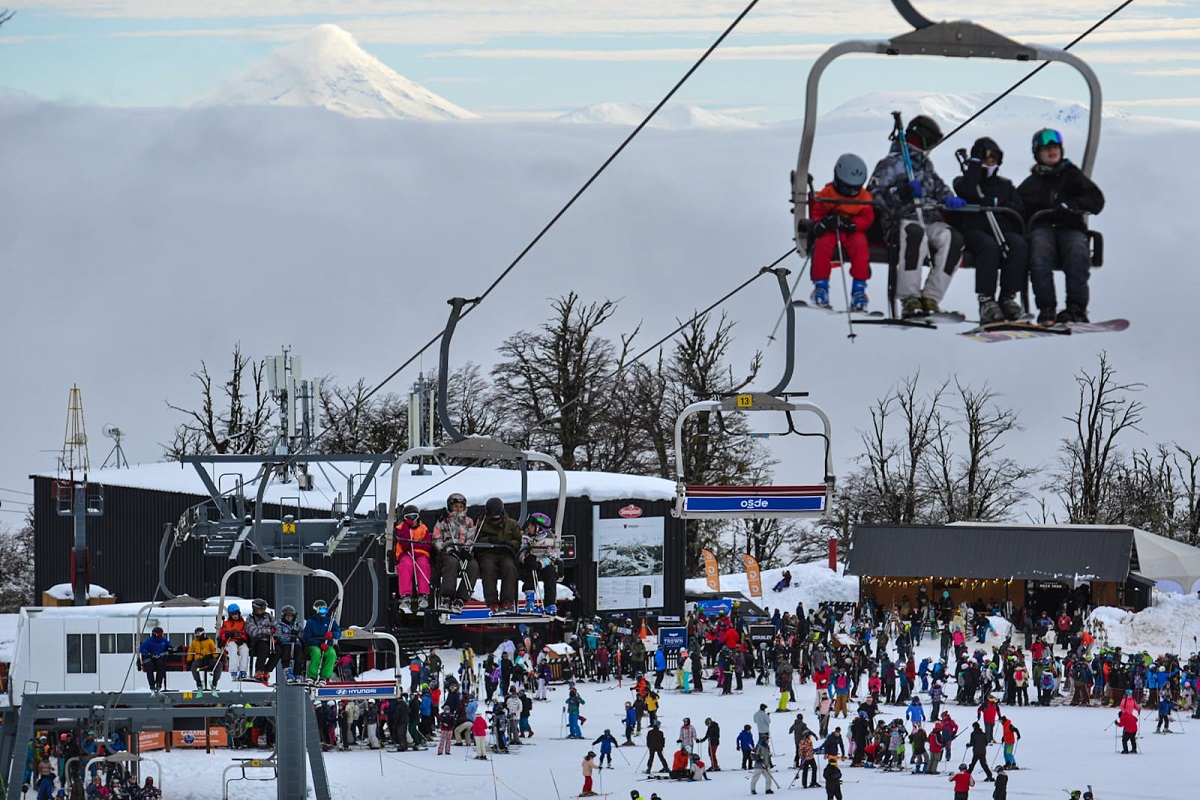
(712, 575)
(753, 576)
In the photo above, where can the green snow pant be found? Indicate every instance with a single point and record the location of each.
(320, 662)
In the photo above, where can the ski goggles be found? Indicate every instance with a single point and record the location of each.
(412, 517)
(1047, 137)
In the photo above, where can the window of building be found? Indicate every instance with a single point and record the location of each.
(116, 643)
(81, 653)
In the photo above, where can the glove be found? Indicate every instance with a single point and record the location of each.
(954, 203)
(324, 646)
(545, 562)
(821, 228)
(846, 224)
(909, 190)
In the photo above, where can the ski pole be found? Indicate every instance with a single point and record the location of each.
(837, 237)
(997, 233)
(898, 135)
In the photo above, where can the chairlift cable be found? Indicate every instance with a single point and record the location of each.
(1032, 72)
(16, 491)
(579, 193)
(762, 271)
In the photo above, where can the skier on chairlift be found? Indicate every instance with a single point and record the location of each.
(539, 561)
(840, 230)
(454, 535)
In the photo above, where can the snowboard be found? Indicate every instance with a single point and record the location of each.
(1006, 331)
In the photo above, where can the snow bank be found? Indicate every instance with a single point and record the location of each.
(812, 583)
(1171, 625)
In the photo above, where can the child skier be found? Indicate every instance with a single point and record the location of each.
(414, 548)
(842, 213)
(606, 741)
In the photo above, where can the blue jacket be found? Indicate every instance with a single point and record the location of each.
(660, 661)
(606, 742)
(153, 646)
(915, 713)
(631, 716)
(745, 741)
(316, 627)
(1165, 707)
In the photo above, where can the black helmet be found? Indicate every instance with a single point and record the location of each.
(922, 132)
(494, 507)
(413, 511)
(157, 631)
(849, 174)
(455, 497)
(985, 146)
(259, 604)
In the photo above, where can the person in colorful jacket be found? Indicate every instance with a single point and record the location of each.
(321, 634)
(414, 549)
(204, 660)
(841, 214)
(235, 642)
(454, 536)
(538, 560)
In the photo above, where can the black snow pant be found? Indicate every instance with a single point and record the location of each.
(989, 263)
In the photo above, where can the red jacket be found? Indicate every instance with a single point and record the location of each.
(1128, 722)
(862, 213)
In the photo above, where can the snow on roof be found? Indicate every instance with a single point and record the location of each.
(428, 492)
(812, 584)
(64, 591)
(130, 610)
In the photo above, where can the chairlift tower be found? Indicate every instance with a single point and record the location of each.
(227, 526)
(72, 497)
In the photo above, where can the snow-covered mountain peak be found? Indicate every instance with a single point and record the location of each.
(674, 117)
(328, 69)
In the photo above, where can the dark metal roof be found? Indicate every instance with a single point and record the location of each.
(986, 551)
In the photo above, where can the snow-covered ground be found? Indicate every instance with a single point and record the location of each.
(812, 583)
(1061, 747)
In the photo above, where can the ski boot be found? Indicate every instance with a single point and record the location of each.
(820, 293)
(405, 604)
(912, 307)
(858, 295)
(456, 607)
(990, 311)
(1011, 307)
(508, 608)
(1046, 316)
(422, 603)
(551, 609)
(530, 603)
(930, 306)
(1073, 313)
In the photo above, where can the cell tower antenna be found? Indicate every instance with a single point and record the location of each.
(116, 455)
(74, 456)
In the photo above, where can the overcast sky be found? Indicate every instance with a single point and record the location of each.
(539, 57)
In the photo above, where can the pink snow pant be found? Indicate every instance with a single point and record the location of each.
(404, 573)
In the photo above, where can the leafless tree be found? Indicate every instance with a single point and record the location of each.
(967, 476)
(357, 423)
(1090, 458)
(6, 15)
(233, 417)
(470, 403)
(16, 566)
(550, 385)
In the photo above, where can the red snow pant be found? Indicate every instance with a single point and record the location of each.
(854, 249)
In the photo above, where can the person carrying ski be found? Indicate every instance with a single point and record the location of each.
(152, 655)
(454, 536)
(1058, 239)
(539, 560)
(497, 540)
(413, 550)
(260, 630)
(901, 178)
(841, 214)
(203, 660)
(981, 183)
(762, 767)
(606, 741)
(321, 634)
(233, 640)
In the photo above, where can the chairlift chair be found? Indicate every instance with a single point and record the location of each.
(954, 39)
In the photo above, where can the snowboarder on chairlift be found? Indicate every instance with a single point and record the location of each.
(906, 175)
(1058, 239)
(841, 214)
(982, 183)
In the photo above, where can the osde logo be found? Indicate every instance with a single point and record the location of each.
(754, 502)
